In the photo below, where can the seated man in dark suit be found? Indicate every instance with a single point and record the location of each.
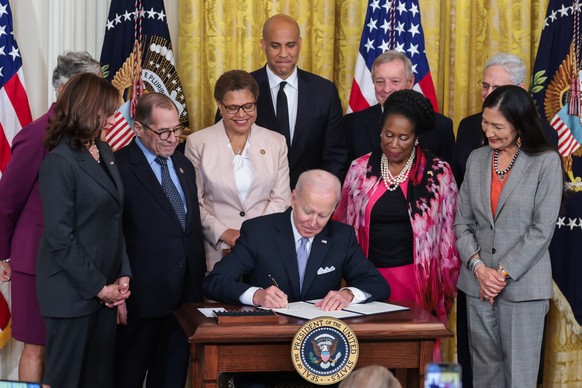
(302, 106)
(391, 72)
(501, 69)
(307, 254)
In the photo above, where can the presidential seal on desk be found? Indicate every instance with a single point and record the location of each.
(324, 351)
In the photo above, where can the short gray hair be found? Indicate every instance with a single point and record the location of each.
(72, 63)
(393, 55)
(319, 180)
(511, 63)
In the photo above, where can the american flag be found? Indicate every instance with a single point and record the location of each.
(137, 57)
(390, 25)
(14, 108)
(14, 114)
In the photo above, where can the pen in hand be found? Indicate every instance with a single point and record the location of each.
(274, 282)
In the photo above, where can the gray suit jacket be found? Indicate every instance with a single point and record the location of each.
(518, 237)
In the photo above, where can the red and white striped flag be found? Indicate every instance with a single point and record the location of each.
(14, 114)
(14, 108)
(390, 25)
(569, 131)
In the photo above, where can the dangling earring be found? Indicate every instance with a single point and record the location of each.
(416, 142)
(518, 140)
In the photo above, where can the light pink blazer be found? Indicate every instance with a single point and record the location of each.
(220, 206)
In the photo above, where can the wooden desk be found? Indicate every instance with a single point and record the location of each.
(402, 340)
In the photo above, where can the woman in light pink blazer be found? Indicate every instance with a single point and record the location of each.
(241, 169)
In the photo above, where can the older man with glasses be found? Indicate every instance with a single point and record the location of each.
(501, 69)
(163, 234)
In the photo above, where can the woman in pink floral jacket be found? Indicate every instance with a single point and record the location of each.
(402, 203)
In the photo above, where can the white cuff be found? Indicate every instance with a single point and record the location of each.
(247, 296)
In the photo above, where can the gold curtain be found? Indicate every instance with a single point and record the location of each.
(219, 35)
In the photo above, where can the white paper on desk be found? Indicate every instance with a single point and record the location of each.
(209, 311)
(305, 310)
(370, 308)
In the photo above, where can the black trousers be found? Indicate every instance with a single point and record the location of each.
(463, 353)
(157, 346)
(79, 351)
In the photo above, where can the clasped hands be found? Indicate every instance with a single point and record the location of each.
(491, 282)
(273, 297)
(115, 294)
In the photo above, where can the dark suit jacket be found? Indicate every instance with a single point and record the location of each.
(266, 246)
(318, 141)
(168, 263)
(82, 248)
(21, 221)
(470, 137)
(363, 130)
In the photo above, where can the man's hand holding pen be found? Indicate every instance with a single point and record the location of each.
(271, 297)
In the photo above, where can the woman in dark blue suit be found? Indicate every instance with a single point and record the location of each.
(82, 268)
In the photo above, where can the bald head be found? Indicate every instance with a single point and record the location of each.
(277, 21)
(281, 44)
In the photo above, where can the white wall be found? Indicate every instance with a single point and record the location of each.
(44, 29)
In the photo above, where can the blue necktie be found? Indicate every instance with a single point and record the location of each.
(171, 191)
(302, 256)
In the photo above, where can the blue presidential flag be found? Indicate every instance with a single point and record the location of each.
(137, 57)
(390, 25)
(555, 88)
(555, 76)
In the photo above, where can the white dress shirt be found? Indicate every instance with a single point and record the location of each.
(291, 91)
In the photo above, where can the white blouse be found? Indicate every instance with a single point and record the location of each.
(243, 171)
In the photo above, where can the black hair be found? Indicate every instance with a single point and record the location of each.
(516, 105)
(412, 105)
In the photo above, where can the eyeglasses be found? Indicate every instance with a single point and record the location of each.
(234, 109)
(485, 86)
(165, 133)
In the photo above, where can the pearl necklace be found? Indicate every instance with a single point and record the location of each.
(501, 174)
(390, 181)
(94, 151)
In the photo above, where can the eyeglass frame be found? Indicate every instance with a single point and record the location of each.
(230, 108)
(166, 131)
(489, 86)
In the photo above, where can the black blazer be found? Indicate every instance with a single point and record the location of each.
(318, 141)
(363, 130)
(470, 136)
(266, 246)
(168, 264)
(82, 247)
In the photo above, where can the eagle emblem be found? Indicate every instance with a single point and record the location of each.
(324, 347)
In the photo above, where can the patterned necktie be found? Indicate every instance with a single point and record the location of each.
(283, 113)
(171, 191)
(302, 256)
